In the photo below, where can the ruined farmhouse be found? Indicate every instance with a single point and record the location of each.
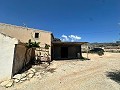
(14, 54)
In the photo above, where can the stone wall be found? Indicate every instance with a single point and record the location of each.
(7, 45)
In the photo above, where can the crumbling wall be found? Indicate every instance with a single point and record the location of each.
(22, 57)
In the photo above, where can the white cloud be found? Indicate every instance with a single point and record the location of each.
(118, 23)
(71, 38)
(64, 38)
(74, 38)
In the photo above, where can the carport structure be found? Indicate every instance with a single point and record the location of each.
(66, 50)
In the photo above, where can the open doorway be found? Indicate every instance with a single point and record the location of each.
(64, 52)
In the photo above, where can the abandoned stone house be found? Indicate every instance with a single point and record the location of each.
(13, 50)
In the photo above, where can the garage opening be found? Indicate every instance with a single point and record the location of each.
(64, 52)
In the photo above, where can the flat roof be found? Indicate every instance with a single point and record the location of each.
(69, 43)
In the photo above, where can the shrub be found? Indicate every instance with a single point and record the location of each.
(47, 46)
(32, 44)
(100, 53)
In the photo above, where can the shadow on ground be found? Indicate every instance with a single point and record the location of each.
(77, 59)
(114, 75)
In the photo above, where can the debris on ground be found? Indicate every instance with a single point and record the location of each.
(37, 71)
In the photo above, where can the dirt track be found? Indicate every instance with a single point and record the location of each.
(77, 75)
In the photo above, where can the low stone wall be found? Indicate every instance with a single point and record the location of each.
(42, 54)
(22, 57)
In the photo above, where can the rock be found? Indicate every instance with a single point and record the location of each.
(42, 74)
(48, 73)
(23, 75)
(38, 77)
(27, 78)
(33, 70)
(37, 74)
(46, 63)
(9, 84)
(17, 76)
(42, 71)
(24, 79)
(16, 80)
(4, 83)
(30, 75)
(30, 72)
(21, 81)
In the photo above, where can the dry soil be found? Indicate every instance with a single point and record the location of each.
(91, 74)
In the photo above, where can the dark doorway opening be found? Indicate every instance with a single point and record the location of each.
(64, 52)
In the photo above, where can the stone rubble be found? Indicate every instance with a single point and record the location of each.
(23, 75)
(38, 75)
(24, 79)
(7, 83)
(16, 80)
(20, 78)
(17, 76)
(30, 75)
(10, 83)
(33, 70)
(4, 83)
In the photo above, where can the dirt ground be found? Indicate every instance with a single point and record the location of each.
(98, 73)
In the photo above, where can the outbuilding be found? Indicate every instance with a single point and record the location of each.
(66, 50)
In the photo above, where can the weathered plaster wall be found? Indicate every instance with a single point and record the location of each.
(7, 45)
(22, 57)
(24, 34)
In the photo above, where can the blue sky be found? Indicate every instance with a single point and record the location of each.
(78, 20)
